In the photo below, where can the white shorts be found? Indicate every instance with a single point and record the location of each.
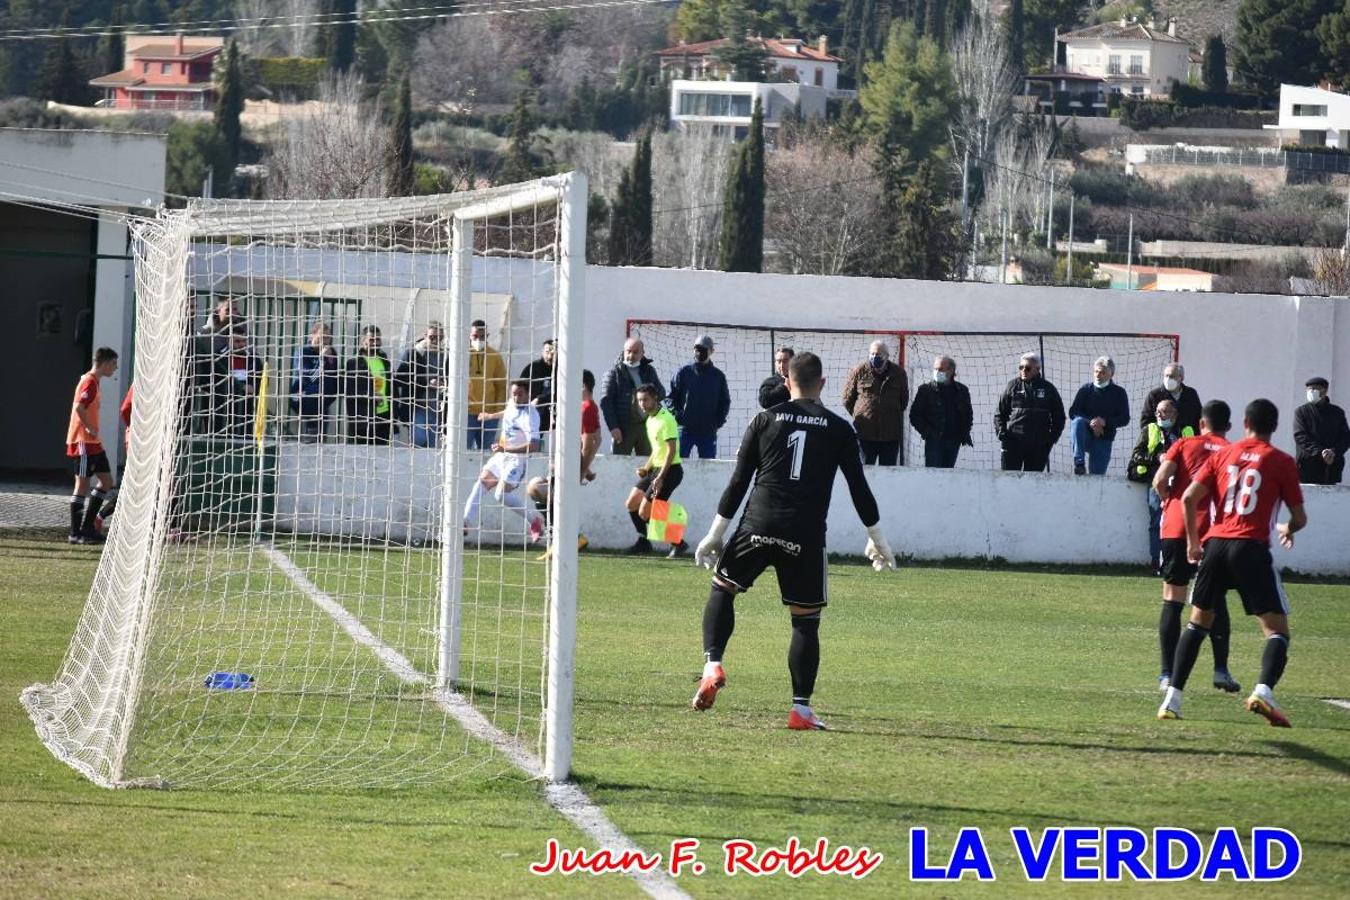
(508, 468)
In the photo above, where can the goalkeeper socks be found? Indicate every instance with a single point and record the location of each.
(1169, 631)
(91, 511)
(719, 621)
(76, 513)
(1273, 659)
(640, 525)
(471, 507)
(1219, 632)
(1188, 649)
(804, 655)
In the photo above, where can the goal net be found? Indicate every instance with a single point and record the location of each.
(293, 593)
(985, 361)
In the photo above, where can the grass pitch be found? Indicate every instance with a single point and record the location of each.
(958, 698)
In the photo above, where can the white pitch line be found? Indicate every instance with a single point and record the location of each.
(1343, 704)
(569, 800)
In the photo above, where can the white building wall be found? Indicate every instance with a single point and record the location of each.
(1335, 122)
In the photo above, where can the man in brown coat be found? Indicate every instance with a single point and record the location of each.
(875, 395)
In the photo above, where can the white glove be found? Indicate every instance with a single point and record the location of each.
(710, 548)
(878, 551)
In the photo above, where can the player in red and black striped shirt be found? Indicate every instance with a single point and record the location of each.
(1248, 480)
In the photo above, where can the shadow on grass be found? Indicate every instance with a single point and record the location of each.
(1302, 752)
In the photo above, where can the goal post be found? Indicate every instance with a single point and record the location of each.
(986, 361)
(307, 584)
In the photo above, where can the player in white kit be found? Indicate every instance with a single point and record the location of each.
(505, 470)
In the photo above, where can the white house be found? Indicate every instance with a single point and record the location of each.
(726, 106)
(1131, 58)
(1313, 116)
(788, 60)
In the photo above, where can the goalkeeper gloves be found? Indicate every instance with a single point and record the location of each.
(710, 548)
(878, 552)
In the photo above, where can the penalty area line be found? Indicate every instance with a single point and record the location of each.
(569, 800)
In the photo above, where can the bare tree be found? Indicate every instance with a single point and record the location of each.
(335, 152)
(255, 38)
(463, 63)
(822, 206)
(299, 35)
(985, 84)
(598, 155)
(689, 174)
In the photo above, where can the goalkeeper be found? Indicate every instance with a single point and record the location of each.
(792, 451)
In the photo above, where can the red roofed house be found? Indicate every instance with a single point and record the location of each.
(790, 59)
(163, 73)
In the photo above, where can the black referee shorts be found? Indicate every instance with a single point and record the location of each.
(1243, 565)
(800, 566)
(674, 475)
(1176, 568)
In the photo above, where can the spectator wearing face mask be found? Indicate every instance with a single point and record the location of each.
(487, 387)
(1154, 441)
(1098, 409)
(942, 415)
(875, 395)
(1322, 436)
(1173, 388)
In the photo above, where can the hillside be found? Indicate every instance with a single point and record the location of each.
(1197, 19)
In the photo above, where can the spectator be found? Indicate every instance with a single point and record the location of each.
(1321, 435)
(223, 315)
(368, 377)
(1029, 418)
(619, 405)
(540, 376)
(315, 382)
(1173, 388)
(237, 375)
(875, 395)
(774, 389)
(700, 401)
(487, 385)
(1154, 441)
(661, 474)
(942, 415)
(419, 386)
(1098, 409)
(541, 489)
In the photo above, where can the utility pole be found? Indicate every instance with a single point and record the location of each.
(1129, 257)
(1069, 270)
(1050, 215)
(965, 186)
(1003, 255)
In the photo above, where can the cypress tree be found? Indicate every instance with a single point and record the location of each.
(742, 244)
(113, 51)
(1214, 70)
(630, 230)
(341, 37)
(927, 235)
(518, 166)
(1017, 26)
(61, 78)
(400, 174)
(229, 105)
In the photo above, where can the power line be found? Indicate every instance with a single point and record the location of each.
(91, 179)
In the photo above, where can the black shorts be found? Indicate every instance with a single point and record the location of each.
(1176, 568)
(88, 464)
(800, 566)
(674, 475)
(1243, 565)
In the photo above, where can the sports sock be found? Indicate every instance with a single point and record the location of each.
(1273, 659)
(1188, 649)
(91, 511)
(719, 621)
(640, 525)
(1219, 632)
(109, 506)
(1169, 630)
(471, 507)
(512, 501)
(804, 657)
(76, 512)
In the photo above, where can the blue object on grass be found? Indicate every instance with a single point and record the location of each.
(229, 681)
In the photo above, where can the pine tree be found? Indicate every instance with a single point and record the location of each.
(341, 37)
(229, 106)
(927, 236)
(630, 231)
(1333, 34)
(742, 244)
(908, 97)
(519, 166)
(61, 78)
(1214, 70)
(1277, 42)
(400, 164)
(745, 58)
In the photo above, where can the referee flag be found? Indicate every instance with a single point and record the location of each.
(667, 522)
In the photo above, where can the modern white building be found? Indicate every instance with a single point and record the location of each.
(67, 275)
(1313, 116)
(1131, 58)
(726, 106)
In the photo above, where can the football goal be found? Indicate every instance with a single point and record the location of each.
(985, 361)
(293, 593)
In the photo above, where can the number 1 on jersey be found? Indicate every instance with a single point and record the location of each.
(797, 442)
